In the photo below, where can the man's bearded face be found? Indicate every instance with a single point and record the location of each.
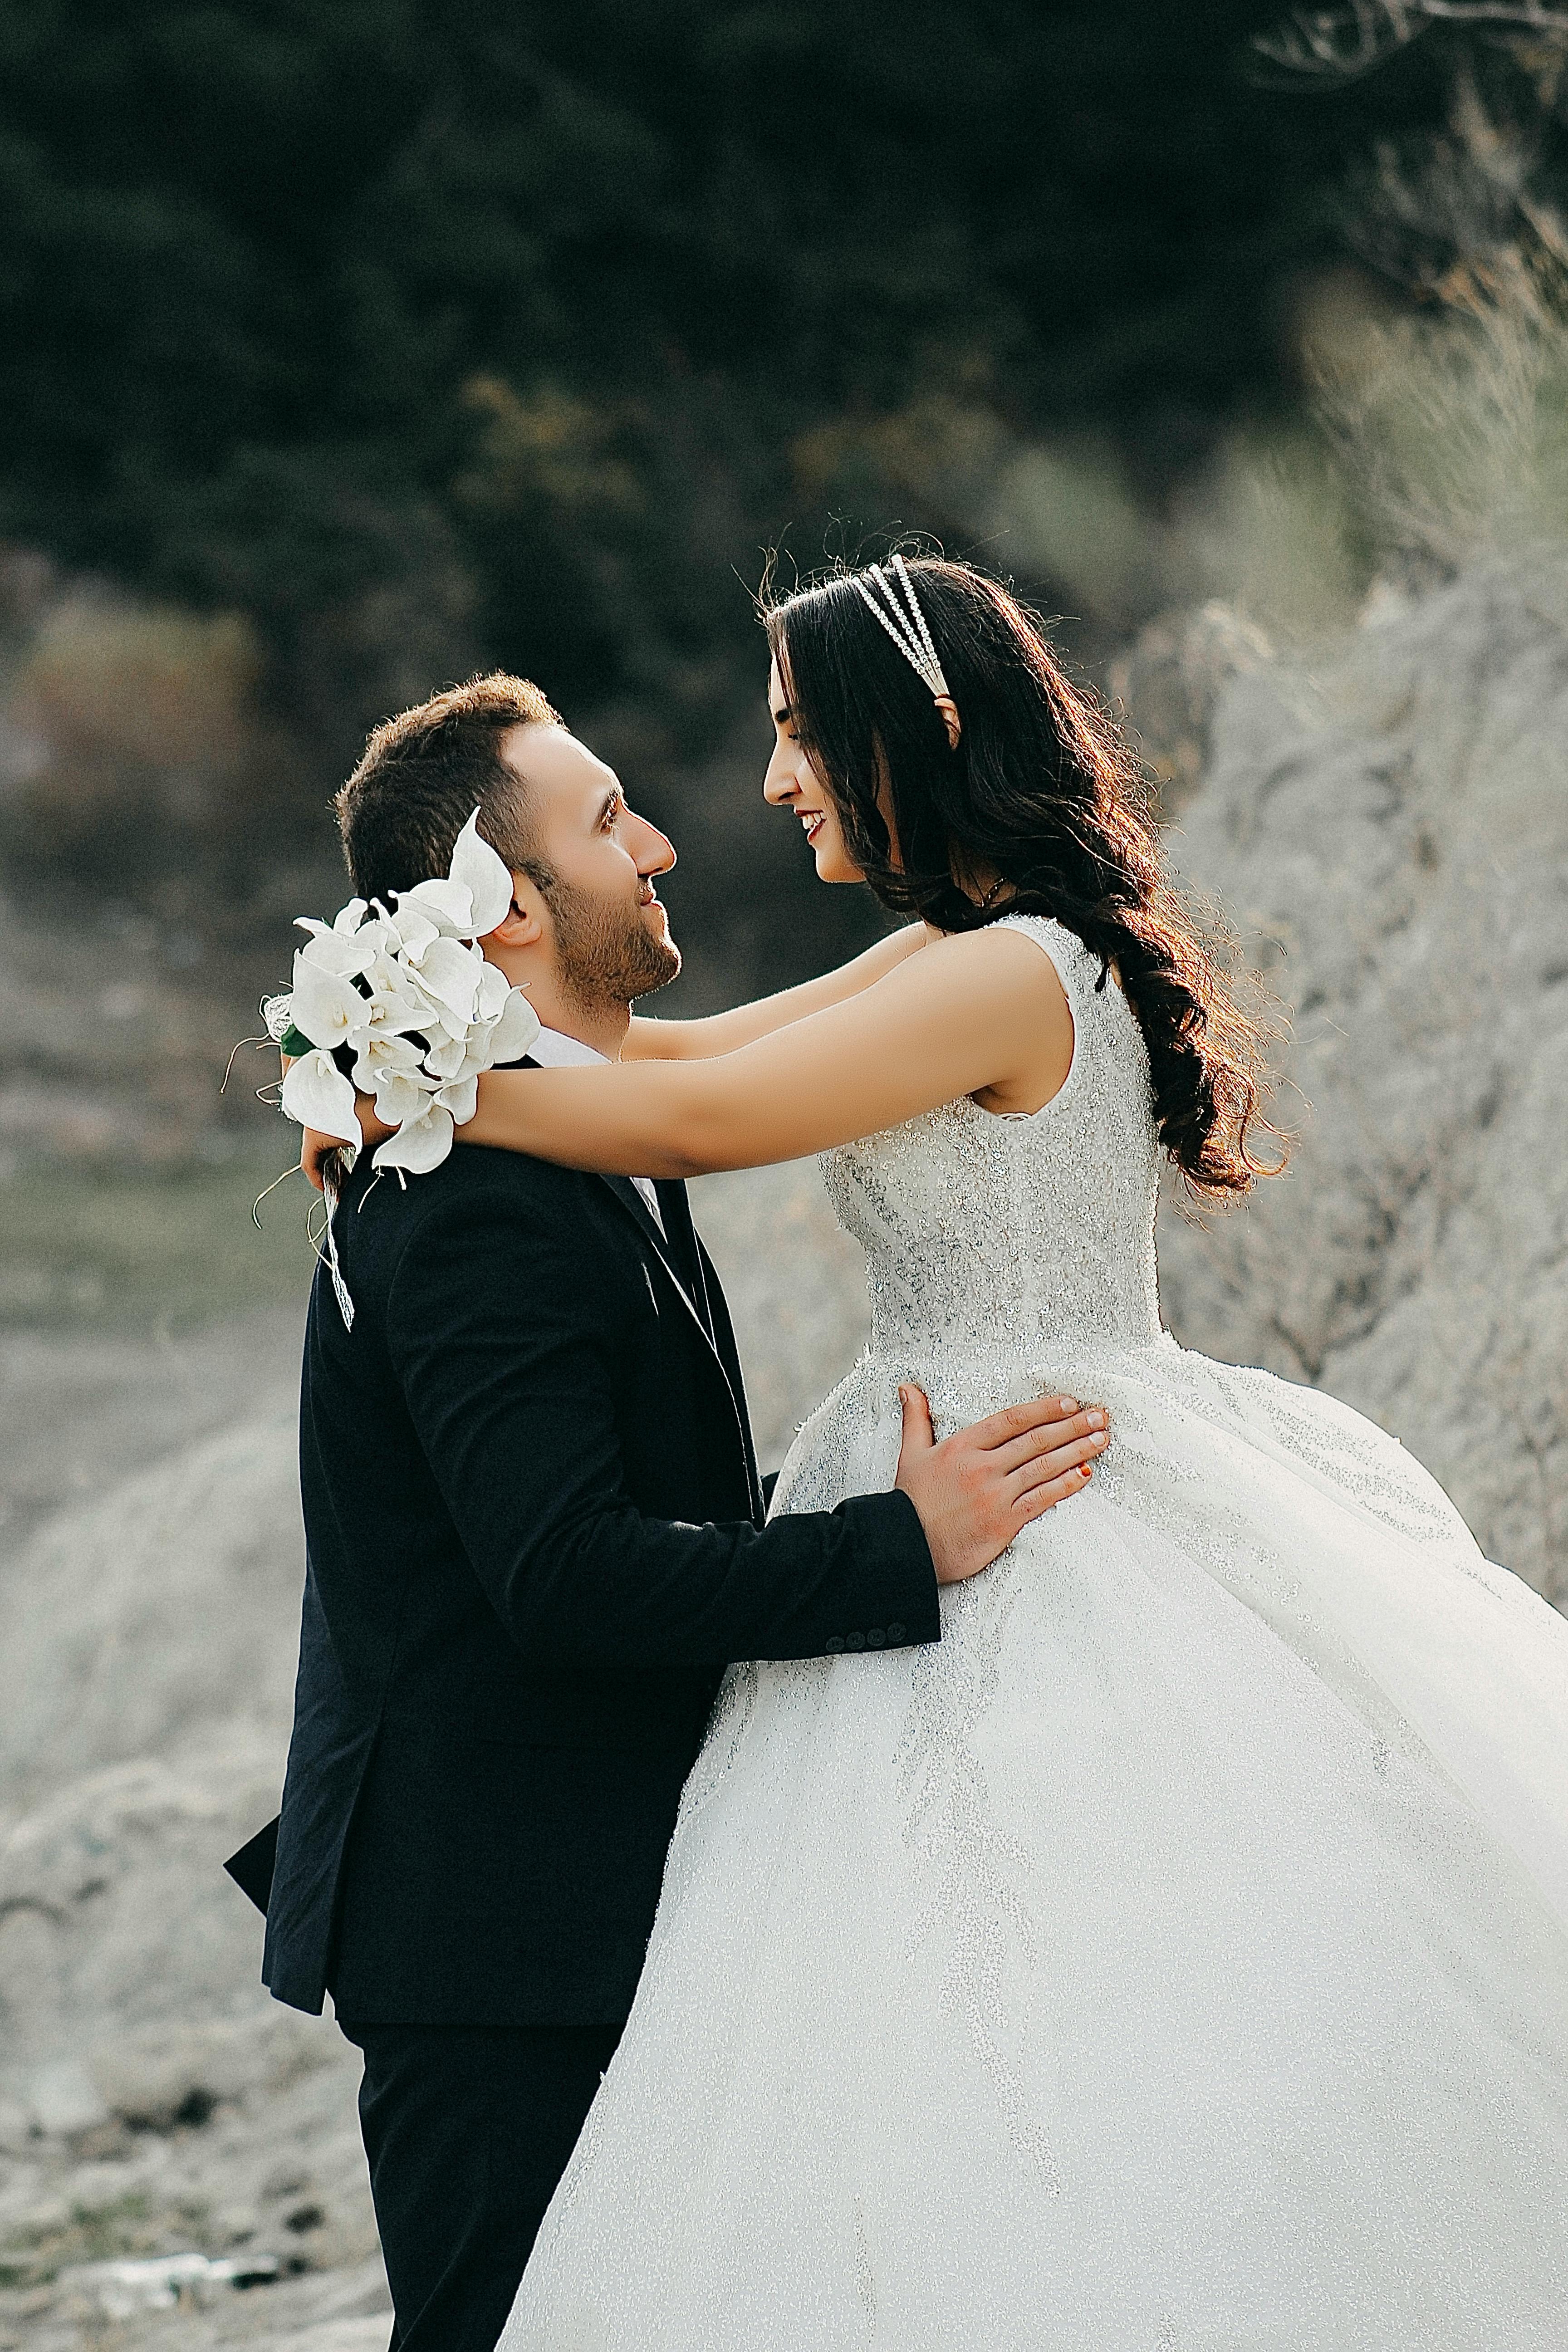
(606, 953)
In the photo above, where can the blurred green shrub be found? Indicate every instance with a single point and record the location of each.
(426, 338)
(138, 725)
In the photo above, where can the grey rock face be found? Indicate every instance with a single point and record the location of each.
(1170, 680)
(137, 1619)
(154, 2104)
(1389, 831)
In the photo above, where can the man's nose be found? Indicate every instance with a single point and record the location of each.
(653, 852)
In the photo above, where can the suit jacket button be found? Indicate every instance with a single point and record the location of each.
(854, 1640)
(875, 1637)
(834, 1643)
(895, 1633)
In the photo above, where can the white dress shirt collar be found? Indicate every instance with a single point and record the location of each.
(554, 1050)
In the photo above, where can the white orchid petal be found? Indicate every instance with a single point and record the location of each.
(377, 1054)
(515, 1030)
(448, 905)
(494, 990)
(402, 1094)
(450, 972)
(385, 973)
(419, 1144)
(326, 1004)
(444, 1060)
(339, 951)
(412, 930)
(438, 1033)
(479, 1052)
(429, 1016)
(488, 880)
(317, 1094)
(461, 1098)
(392, 1013)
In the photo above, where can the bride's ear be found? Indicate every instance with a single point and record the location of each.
(949, 720)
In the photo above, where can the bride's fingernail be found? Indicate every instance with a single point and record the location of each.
(1070, 1404)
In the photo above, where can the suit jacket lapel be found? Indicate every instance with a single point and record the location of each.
(631, 1199)
(726, 1359)
(730, 1358)
(707, 1310)
(675, 1210)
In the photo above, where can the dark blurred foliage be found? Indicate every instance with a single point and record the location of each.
(431, 333)
(429, 337)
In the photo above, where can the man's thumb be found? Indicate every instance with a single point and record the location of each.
(919, 1436)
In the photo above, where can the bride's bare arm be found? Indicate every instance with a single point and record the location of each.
(724, 1033)
(984, 1014)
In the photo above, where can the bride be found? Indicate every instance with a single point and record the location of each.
(1176, 1956)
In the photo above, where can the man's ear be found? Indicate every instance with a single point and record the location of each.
(527, 921)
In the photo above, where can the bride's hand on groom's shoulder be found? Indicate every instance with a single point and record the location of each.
(979, 1488)
(314, 1147)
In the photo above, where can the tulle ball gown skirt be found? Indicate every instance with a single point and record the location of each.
(1174, 1958)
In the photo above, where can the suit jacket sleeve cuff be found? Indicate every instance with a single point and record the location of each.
(894, 1602)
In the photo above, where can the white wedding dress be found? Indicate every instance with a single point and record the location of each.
(1176, 1956)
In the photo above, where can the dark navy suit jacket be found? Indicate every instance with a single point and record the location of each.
(534, 1540)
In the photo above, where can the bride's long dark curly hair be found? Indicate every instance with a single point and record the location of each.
(1042, 791)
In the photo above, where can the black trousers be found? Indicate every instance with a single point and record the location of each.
(468, 2129)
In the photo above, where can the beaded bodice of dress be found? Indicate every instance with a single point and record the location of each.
(986, 1235)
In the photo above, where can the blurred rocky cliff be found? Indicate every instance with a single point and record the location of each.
(1386, 824)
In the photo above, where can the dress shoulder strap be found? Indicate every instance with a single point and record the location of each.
(1107, 1038)
(1077, 965)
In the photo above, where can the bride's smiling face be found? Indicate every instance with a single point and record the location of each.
(791, 783)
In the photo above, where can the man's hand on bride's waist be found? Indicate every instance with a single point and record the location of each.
(979, 1488)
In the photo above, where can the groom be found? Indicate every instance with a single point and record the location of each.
(534, 1537)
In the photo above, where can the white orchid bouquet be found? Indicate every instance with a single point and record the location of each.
(403, 1006)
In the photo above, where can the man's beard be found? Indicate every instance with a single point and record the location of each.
(605, 956)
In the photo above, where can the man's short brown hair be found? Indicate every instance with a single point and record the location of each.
(422, 775)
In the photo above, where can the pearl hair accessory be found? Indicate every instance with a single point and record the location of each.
(909, 631)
